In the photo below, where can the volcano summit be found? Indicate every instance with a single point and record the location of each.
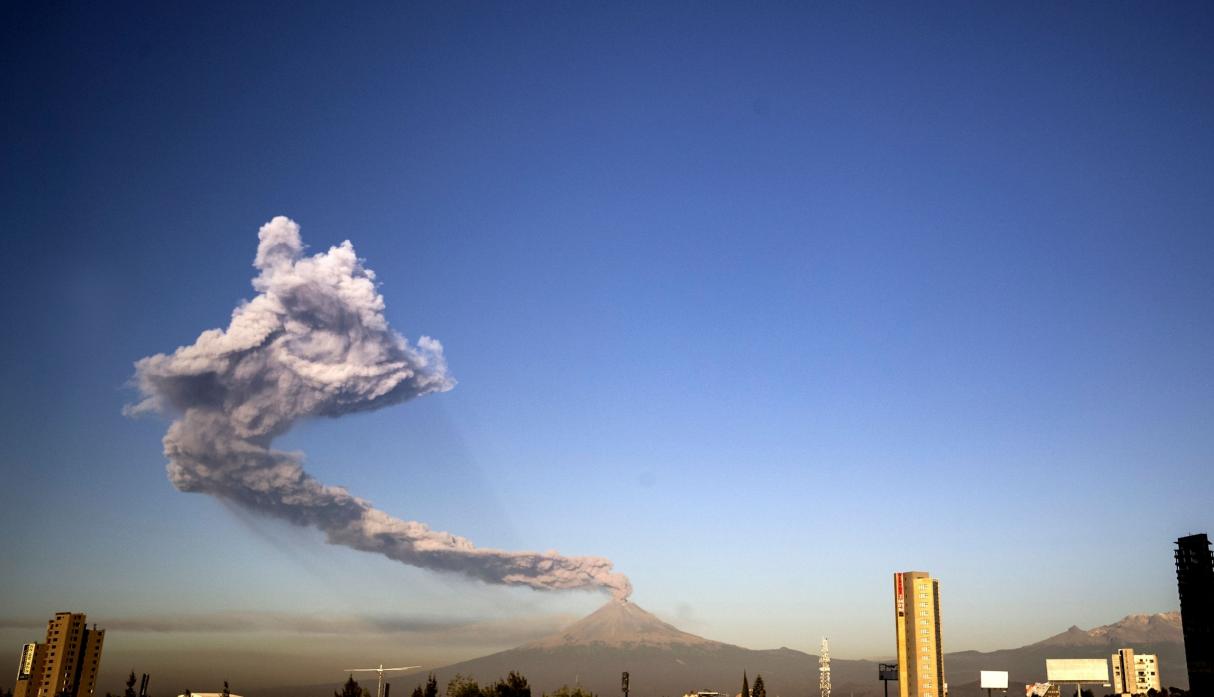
(621, 624)
(661, 658)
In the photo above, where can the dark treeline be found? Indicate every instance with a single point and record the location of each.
(1165, 692)
(513, 685)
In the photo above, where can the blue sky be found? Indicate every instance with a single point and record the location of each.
(762, 302)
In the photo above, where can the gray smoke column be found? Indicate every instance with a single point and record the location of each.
(314, 342)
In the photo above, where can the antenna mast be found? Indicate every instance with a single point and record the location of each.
(379, 689)
(824, 669)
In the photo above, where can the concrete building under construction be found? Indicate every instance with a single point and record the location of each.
(1195, 584)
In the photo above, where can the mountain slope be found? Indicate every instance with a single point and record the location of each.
(1158, 634)
(1163, 627)
(620, 624)
(664, 661)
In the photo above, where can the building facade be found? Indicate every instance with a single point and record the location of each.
(33, 662)
(1135, 673)
(66, 665)
(1195, 584)
(917, 625)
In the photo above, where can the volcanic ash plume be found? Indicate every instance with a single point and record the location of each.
(314, 342)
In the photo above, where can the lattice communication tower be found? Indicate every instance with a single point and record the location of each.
(824, 669)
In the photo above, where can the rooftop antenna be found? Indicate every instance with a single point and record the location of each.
(824, 669)
(379, 689)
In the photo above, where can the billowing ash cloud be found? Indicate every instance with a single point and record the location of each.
(314, 342)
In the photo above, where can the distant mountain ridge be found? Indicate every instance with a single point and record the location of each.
(1161, 627)
(665, 661)
(1157, 634)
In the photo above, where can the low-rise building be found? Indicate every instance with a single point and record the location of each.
(1135, 673)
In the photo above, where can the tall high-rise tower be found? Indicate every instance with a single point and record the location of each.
(917, 625)
(824, 669)
(1195, 583)
(66, 664)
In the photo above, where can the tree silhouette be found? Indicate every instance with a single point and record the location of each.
(350, 689)
(566, 691)
(417, 691)
(461, 686)
(431, 687)
(514, 685)
(759, 690)
(226, 691)
(745, 686)
(130, 686)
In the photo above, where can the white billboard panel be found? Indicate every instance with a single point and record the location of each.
(1077, 670)
(27, 661)
(993, 679)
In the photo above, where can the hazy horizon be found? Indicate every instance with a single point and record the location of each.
(237, 645)
(751, 305)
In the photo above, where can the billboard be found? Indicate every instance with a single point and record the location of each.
(993, 679)
(900, 595)
(1077, 670)
(26, 666)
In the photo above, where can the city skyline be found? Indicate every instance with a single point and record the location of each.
(589, 644)
(712, 284)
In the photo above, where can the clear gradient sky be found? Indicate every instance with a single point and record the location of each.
(761, 302)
